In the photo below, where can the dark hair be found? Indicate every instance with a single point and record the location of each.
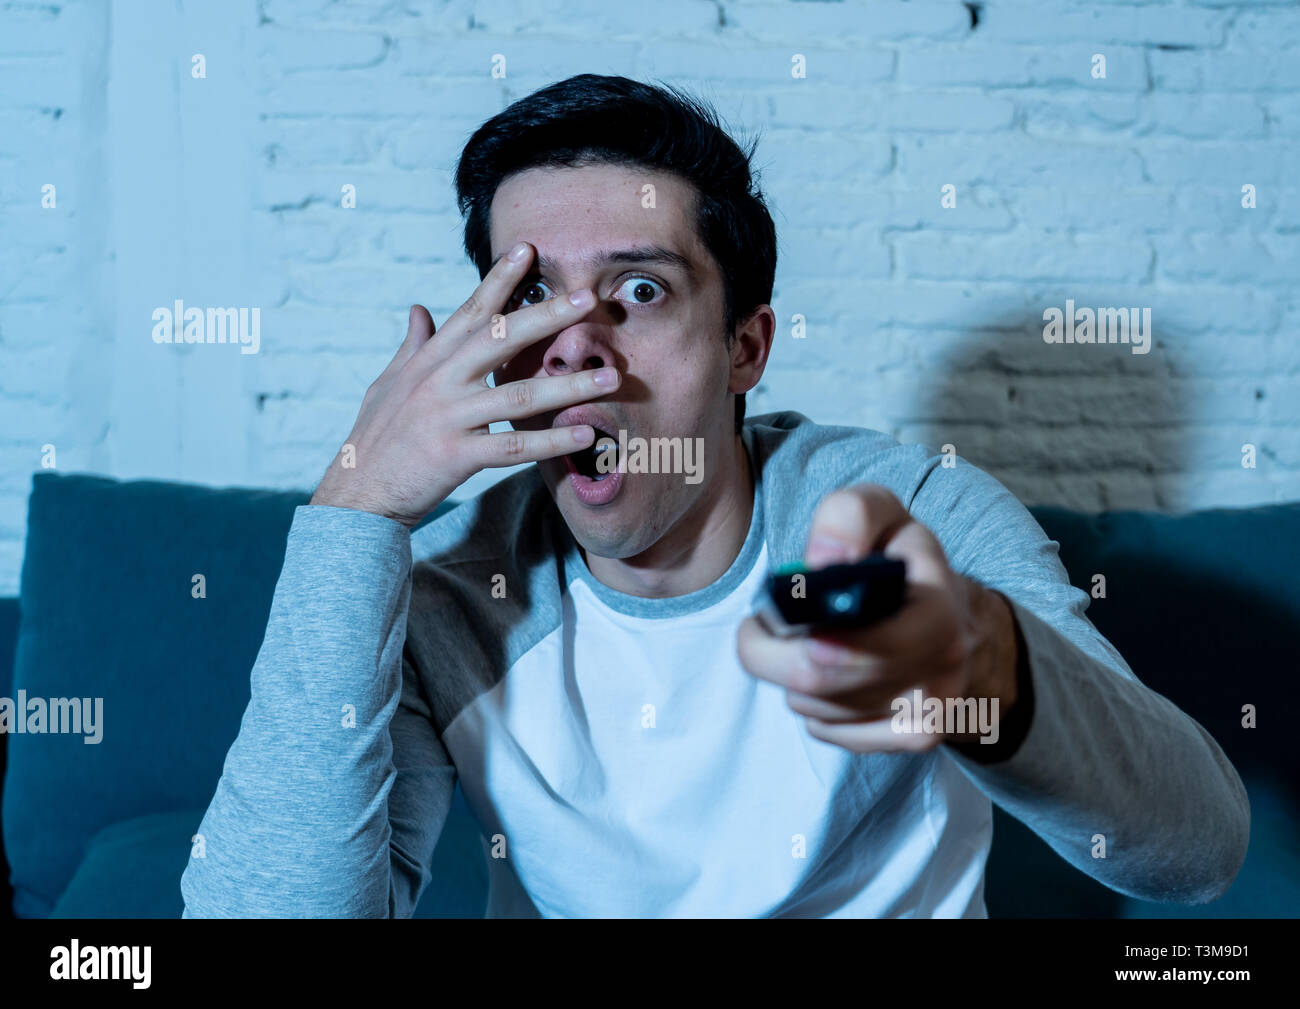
(590, 119)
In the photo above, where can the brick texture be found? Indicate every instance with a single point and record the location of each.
(923, 321)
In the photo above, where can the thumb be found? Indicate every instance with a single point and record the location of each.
(851, 523)
(419, 330)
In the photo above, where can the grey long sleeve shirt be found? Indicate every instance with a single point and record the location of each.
(618, 760)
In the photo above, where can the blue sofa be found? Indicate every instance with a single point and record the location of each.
(1204, 606)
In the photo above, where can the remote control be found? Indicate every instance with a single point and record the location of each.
(795, 600)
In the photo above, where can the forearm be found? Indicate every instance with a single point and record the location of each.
(299, 822)
(1119, 781)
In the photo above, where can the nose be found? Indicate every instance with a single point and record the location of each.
(578, 348)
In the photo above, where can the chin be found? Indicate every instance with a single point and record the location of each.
(603, 538)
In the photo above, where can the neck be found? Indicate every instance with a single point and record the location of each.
(701, 545)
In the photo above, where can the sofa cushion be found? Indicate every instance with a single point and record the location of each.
(133, 869)
(108, 611)
(8, 641)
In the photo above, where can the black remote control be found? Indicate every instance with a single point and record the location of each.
(795, 600)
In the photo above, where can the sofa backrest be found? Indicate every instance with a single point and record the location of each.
(152, 596)
(1205, 608)
(111, 610)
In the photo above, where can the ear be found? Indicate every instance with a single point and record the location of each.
(750, 349)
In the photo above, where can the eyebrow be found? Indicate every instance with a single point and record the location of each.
(643, 254)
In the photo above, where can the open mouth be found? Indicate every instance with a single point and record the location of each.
(600, 460)
(593, 473)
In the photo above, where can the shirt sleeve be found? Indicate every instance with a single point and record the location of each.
(334, 793)
(1104, 758)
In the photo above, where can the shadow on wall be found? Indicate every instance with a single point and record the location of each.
(1089, 427)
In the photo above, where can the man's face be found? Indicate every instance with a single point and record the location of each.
(659, 322)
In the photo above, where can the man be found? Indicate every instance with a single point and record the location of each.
(574, 644)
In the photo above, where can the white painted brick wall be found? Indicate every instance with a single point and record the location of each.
(922, 321)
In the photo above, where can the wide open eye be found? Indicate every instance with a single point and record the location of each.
(641, 290)
(528, 293)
